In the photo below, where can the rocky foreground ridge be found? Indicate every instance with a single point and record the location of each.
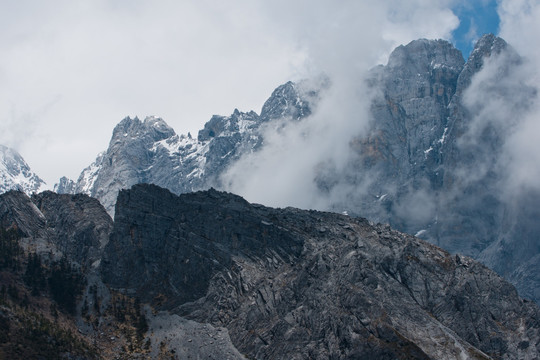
(209, 274)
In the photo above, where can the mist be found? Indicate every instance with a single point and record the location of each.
(504, 108)
(520, 26)
(342, 44)
(71, 70)
(476, 190)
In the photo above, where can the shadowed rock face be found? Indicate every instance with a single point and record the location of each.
(79, 224)
(18, 212)
(238, 278)
(75, 226)
(160, 240)
(289, 283)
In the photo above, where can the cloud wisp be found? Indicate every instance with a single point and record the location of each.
(343, 43)
(504, 104)
(520, 26)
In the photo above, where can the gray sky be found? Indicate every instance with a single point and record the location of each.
(71, 70)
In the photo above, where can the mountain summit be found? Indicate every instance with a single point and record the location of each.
(150, 151)
(15, 174)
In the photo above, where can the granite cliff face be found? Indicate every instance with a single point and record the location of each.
(72, 226)
(400, 156)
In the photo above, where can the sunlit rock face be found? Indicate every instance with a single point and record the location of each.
(150, 151)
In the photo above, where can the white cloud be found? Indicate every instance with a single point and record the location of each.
(342, 42)
(71, 70)
(520, 26)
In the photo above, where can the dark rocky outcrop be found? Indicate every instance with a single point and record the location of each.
(74, 226)
(172, 245)
(78, 225)
(290, 283)
(213, 275)
(18, 212)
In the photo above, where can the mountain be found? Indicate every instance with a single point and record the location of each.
(150, 151)
(64, 186)
(456, 196)
(207, 274)
(430, 163)
(15, 174)
(433, 161)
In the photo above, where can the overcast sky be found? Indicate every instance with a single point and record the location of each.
(71, 70)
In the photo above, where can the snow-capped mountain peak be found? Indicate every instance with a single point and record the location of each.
(15, 174)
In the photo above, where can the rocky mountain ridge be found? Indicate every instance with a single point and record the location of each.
(149, 151)
(220, 277)
(293, 283)
(426, 164)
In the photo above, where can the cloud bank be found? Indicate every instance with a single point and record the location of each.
(343, 43)
(520, 26)
(504, 104)
(71, 70)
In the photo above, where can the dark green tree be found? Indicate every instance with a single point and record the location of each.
(10, 250)
(65, 283)
(34, 275)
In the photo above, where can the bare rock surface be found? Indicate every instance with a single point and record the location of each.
(297, 284)
(189, 339)
(77, 224)
(218, 277)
